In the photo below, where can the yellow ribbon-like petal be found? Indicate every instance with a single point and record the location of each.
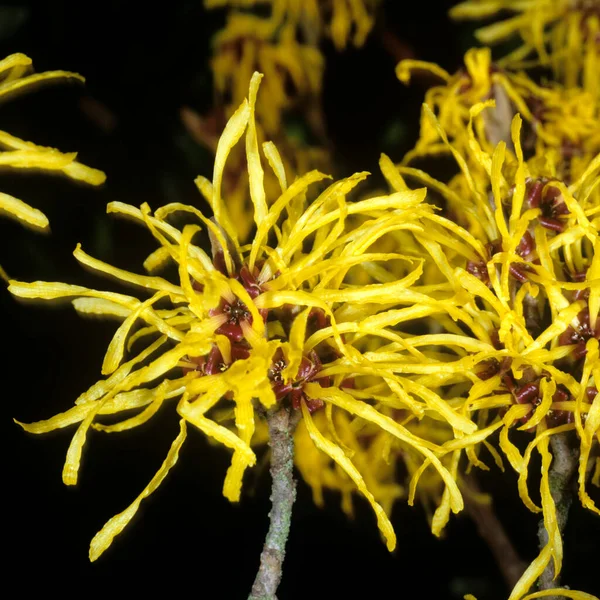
(104, 538)
(337, 454)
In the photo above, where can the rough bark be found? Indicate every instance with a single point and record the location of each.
(283, 494)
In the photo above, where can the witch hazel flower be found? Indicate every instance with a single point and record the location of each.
(527, 254)
(255, 327)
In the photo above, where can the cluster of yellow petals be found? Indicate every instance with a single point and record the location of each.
(341, 20)
(563, 34)
(558, 119)
(295, 157)
(285, 47)
(293, 70)
(301, 255)
(490, 195)
(367, 454)
(15, 78)
(416, 304)
(522, 264)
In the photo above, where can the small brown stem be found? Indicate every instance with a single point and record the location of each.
(562, 470)
(283, 493)
(493, 533)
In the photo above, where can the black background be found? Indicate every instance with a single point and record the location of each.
(143, 62)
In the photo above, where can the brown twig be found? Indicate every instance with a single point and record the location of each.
(562, 471)
(493, 533)
(283, 494)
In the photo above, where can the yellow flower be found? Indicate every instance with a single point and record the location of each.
(293, 71)
(563, 124)
(293, 80)
(563, 34)
(342, 20)
(15, 77)
(527, 344)
(296, 158)
(367, 452)
(257, 325)
(565, 131)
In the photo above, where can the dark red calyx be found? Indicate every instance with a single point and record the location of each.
(214, 363)
(240, 351)
(578, 277)
(533, 191)
(525, 249)
(552, 223)
(549, 199)
(528, 393)
(580, 334)
(237, 313)
(479, 270)
(492, 367)
(280, 388)
(519, 271)
(250, 282)
(526, 245)
(198, 363)
(310, 366)
(317, 319)
(555, 418)
(308, 371)
(297, 397)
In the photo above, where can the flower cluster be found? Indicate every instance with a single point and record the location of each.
(522, 242)
(281, 39)
(530, 275)
(341, 20)
(562, 125)
(268, 324)
(563, 33)
(285, 47)
(396, 331)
